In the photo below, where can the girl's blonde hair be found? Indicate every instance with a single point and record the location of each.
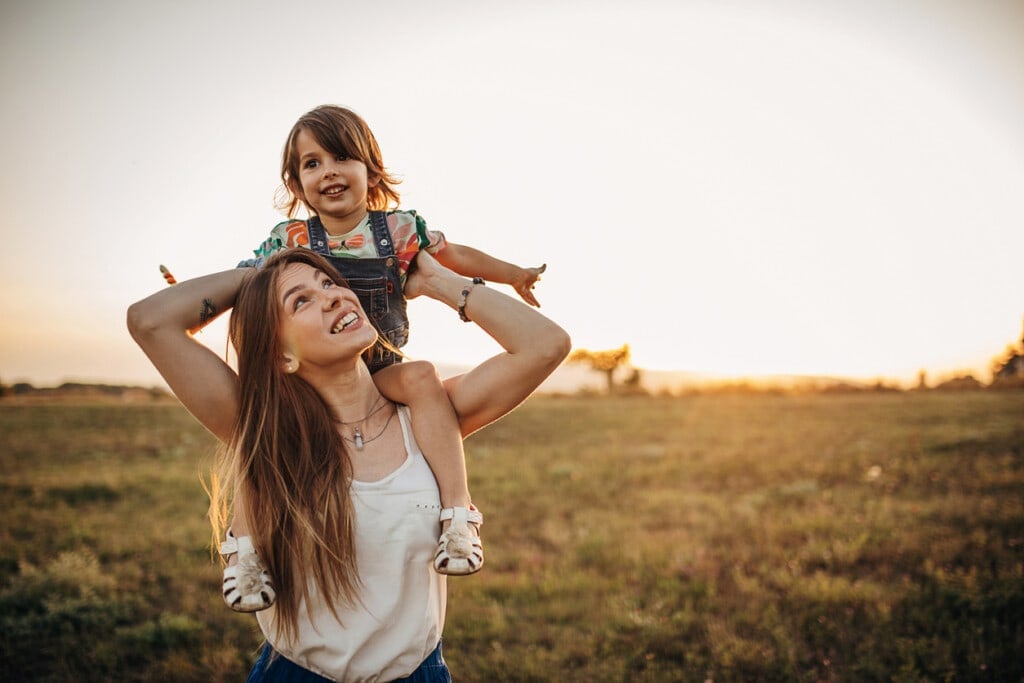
(285, 466)
(342, 132)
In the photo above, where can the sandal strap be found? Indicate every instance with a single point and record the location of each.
(464, 515)
(240, 544)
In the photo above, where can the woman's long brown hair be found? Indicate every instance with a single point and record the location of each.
(286, 466)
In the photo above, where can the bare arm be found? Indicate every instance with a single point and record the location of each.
(475, 263)
(163, 323)
(533, 345)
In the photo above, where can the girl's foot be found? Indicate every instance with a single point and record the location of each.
(247, 585)
(459, 550)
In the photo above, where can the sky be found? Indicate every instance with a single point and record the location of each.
(733, 188)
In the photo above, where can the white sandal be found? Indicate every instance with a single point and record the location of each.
(247, 585)
(459, 550)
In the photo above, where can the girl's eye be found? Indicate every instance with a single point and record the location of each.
(327, 283)
(311, 163)
(342, 157)
(299, 300)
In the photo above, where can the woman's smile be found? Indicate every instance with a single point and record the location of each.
(316, 307)
(344, 322)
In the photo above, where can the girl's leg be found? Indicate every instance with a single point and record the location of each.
(417, 385)
(436, 426)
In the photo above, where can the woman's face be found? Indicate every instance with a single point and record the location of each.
(322, 323)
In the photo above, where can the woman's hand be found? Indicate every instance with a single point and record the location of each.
(426, 276)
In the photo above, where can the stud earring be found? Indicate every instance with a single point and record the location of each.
(291, 366)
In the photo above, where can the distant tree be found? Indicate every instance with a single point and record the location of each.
(1008, 369)
(603, 361)
(966, 382)
(880, 385)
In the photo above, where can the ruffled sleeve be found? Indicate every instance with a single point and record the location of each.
(285, 234)
(431, 240)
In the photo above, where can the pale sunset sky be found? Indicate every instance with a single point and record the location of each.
(736, 187)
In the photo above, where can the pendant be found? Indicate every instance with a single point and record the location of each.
(359, 440)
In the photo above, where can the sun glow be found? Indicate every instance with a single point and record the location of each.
(815, 189)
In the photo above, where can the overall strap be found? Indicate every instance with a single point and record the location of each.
(317, 236)
(381, 235)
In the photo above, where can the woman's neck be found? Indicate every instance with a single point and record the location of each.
(350, 396)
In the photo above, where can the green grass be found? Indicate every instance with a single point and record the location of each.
(730, 537)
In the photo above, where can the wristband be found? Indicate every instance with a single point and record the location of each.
(465, 295)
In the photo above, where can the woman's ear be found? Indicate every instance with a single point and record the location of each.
(372, 180)
(290, 364)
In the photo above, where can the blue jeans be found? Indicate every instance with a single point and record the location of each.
(281, 670)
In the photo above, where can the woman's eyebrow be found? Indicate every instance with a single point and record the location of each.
(316, 278)
(296, 288)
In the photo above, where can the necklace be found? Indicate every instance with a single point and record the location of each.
(374, 410)
(358, 440)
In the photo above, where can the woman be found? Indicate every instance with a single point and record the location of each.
(325, 474)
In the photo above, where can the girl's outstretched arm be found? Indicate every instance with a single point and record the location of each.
(475, 263)
(533, 345)
(163, 323)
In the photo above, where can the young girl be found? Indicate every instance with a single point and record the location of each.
(332, 167)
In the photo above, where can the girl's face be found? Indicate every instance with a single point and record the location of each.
(334, 187)
(322, 324)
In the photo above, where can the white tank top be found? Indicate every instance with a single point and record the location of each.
(401, 614)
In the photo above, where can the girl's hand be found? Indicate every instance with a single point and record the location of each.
(524, 281)
(425, 276)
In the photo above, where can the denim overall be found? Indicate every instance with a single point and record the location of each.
(377, 284)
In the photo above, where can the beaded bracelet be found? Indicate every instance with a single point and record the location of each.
(465, 295)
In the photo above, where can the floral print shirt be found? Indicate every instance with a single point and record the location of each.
(409, 234)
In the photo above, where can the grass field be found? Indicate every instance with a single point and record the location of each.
(871, 536)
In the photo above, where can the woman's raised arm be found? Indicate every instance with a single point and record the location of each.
(163, 323)
(534, 345)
